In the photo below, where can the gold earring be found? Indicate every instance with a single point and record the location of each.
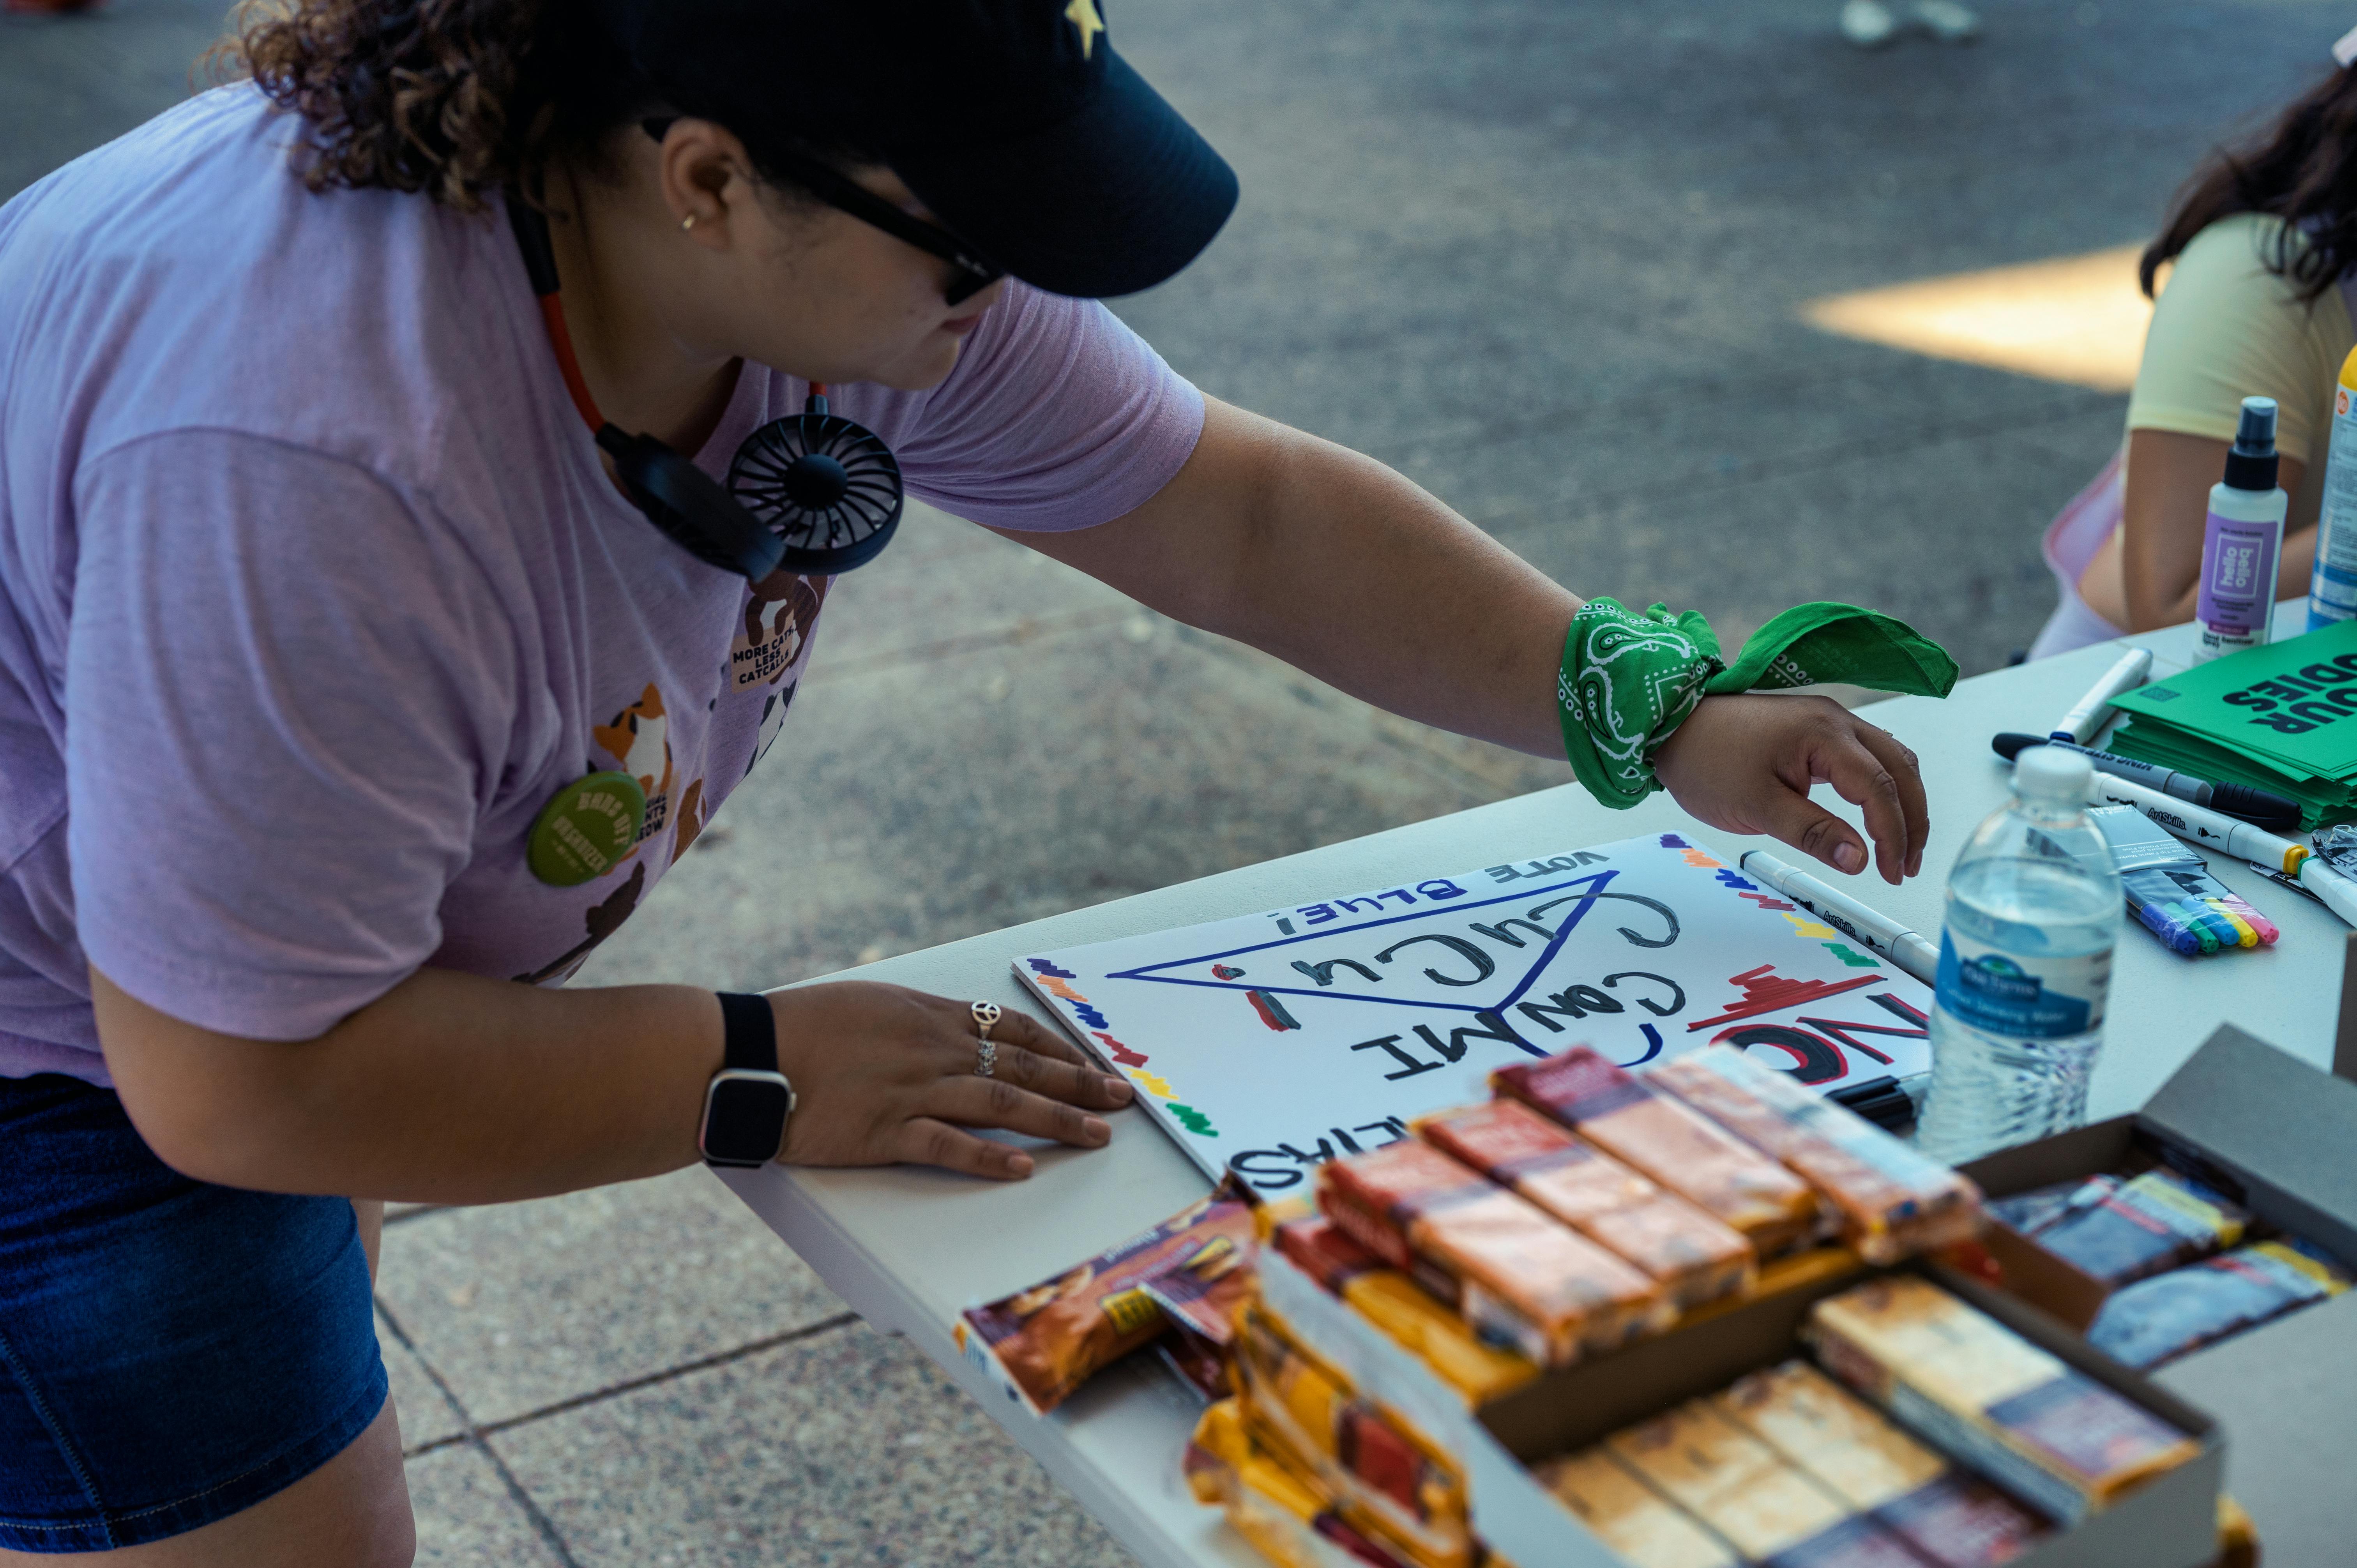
(687, 223)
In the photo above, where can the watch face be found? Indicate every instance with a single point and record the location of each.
(745, 1118)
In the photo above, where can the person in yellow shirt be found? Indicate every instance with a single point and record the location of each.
(2261, 249)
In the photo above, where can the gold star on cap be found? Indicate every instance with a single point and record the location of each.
(1082, 13)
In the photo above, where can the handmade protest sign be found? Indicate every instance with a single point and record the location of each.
(1270, 1043)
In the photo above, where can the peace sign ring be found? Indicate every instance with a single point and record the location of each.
(986, 1017)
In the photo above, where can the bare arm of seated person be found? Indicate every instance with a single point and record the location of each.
(452, 1087)
(2146, 573)
(1341, 567)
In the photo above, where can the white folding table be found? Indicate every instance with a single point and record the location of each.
(908, 1249)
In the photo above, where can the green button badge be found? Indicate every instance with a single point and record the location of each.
(585, 829)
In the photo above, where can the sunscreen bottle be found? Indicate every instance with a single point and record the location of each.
(2242, 541)
(2332, 586)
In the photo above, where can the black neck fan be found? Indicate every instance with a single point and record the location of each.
(828, 487)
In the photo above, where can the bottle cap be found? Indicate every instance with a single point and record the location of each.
(2053, 773)
(2251, 463)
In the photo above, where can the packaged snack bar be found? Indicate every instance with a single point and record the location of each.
(2153, 1223)
(1386, 1479)
(1962, 1521)
(1668, 1141)
(1319, 1250)
(1515, 1146)
(1521, 1279)
(2156, 1320)
(1695, 1258)
(1407, 1313)
(1887, 1201)
(1284, 1514)
(2238, 1537)
(2040, 1428)
(1376, 1196)
(1200, 1294)
(1046, 1341)
(1746, 1493)
(1839, 1439)
(1955, 1520)
(1196, 1362)
(1642, 1525)
(2031, 1212)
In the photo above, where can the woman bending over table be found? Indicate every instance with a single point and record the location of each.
(375, 631)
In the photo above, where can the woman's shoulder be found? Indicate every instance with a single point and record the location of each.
(2228, 323)
(184, 276)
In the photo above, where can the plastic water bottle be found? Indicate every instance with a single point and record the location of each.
(2025, 966)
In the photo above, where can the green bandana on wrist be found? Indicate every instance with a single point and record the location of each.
(1629, 680)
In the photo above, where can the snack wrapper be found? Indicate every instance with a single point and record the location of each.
(1286, 1515)
(1693, 1257)
(1521, 1279)
(1953, 1519)
(1629, 1517)
(1889, 1201)
(1748, 1494)
(1408, 1314)
(1403, 1310)
(2030, 1421)
(2032, 1212)
(2152, 1222)
(1668, 1142)
(1385, 1479)
(1043, 1343)
(2166, 1315)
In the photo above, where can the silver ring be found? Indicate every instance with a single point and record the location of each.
(986, 1017)
(985, 1061)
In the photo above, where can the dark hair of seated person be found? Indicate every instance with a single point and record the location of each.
(454, 99)
(2302, 169)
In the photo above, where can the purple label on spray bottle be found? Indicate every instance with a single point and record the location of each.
(2238, 579)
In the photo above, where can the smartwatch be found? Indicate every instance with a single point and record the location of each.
(747, 1103)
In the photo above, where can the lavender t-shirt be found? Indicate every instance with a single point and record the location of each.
(313, 592)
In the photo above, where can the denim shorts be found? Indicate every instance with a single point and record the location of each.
(172, 1352)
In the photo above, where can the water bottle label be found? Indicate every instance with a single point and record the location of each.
(2001, 993)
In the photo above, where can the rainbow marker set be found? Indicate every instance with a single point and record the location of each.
(2170, 891)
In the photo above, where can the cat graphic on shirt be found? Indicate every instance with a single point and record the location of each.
(639, 740)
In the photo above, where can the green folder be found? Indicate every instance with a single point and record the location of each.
(2283, 717)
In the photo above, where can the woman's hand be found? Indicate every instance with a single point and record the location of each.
(885, 1075)
(1745, 763)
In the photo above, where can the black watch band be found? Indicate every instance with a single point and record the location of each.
(749, 1100)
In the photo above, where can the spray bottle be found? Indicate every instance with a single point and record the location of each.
(2242, 541)
(2332, 586)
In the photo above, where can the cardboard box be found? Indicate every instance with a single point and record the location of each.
(2280, 1138)
(2169, 1524)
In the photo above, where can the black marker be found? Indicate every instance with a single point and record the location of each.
(2258, 807)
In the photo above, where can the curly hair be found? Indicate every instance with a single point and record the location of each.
(454, 99)
(2302, 169)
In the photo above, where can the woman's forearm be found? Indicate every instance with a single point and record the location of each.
(1338, 566)
(448, 1089)
(1417, 610)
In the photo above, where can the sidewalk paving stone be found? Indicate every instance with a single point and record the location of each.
(467, 1518)
(521, 1306)
(426, 1416)
(848, 1450)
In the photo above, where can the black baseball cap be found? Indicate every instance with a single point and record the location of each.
(1014, 121)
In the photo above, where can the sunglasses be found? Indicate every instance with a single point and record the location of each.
(846, 195)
